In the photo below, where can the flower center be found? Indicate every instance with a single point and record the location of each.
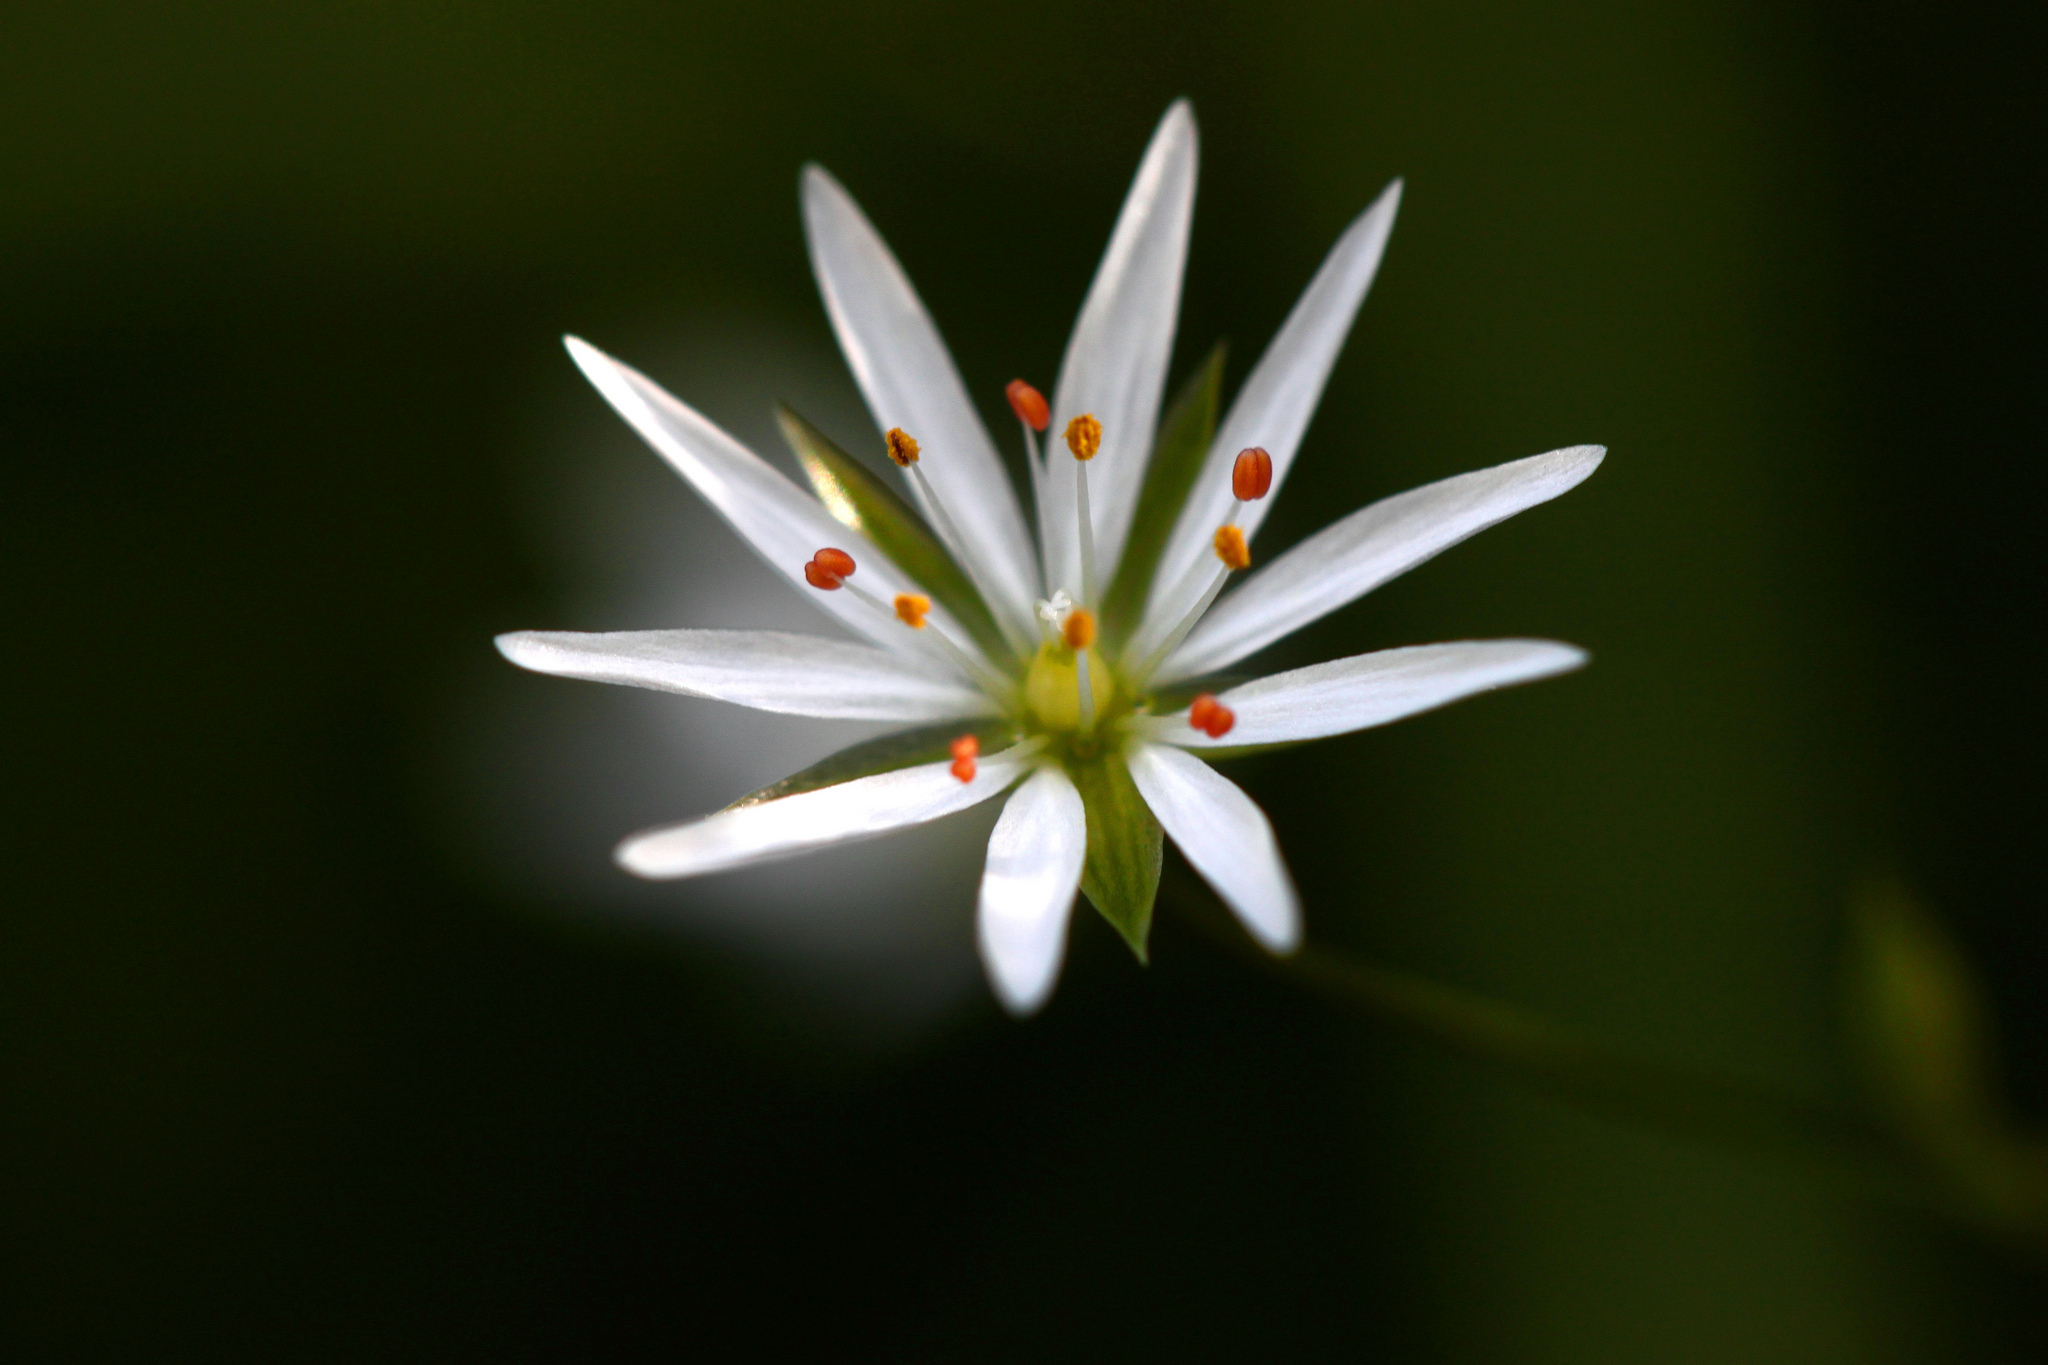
(1052, 687)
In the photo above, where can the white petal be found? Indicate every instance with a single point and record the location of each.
(1227, 839)
(1280, 395)
(859, 809)
(1115, 366)
(1028, 886)
(784, 524)
(799, 675)
(1352, 557)
(1370, 689)
(909, 380)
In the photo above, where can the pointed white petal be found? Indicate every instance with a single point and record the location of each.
(1227, 839)
(1370, 689)
(909, 380)
(784, 524)
(1028, 886)
(859, 809)
(1352, 557)
(1280, 395)
(1115, 366)
(799, 675)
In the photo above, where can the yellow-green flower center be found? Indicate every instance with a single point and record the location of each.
(1052, 688)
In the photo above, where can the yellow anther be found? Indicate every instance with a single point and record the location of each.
(902, 448)
(1084, 437)
(911, 607)
(1231, 549)
(1079, 630)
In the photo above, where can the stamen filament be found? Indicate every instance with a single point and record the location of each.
(1079, 634)
(1084, 439)
(986, 678)
(1087, 531)
(1187, 623)
(904, 452)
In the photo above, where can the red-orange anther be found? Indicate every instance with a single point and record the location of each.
(1029, 405)
(1252, 475)
(1210, 716)
(828, 569)
(965, 750)
(1079, 630)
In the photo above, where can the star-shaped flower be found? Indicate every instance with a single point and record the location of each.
(1064, 670)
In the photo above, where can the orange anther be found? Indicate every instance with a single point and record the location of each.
(1231, 549)
(1210, 716)
(911, 607)
(965, 750)
(1079, 629)
(902, 448)
(1084, 437)
(1252, 475)
(1029, 404)
(828, 568)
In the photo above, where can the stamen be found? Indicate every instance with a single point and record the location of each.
(1231, 549)
(965, 750)
(1078, 633)
(828, 571)
(1251, 478)
(902, 449)
(1084, 439)
(1235, 554)
(911, 608)
(1029, 405)
(1210, 716)
(1033, 416)
(1079, 629)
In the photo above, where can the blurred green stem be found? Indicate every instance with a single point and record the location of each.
(1675, 1098)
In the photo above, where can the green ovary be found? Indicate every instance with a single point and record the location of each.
(1052, 690)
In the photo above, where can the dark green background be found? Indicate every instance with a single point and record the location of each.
(280, 394)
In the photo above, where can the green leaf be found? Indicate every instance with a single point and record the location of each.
(1917, 1016)
(885, 754)
(1121, 875)
(1183, 443)
(857, 499)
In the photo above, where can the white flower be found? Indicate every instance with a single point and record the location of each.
(985, 641)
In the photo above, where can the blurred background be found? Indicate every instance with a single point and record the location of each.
(329, 1030)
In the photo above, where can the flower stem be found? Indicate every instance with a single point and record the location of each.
(1675, 1098)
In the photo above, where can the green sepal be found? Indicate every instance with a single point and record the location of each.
(1183, 443)
(1121, 875)
(857, 499)
(885, 754)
